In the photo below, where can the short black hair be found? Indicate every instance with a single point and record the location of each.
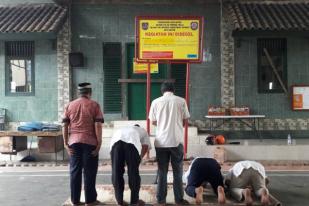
(167, 87)
(85, 91)
(136, 125)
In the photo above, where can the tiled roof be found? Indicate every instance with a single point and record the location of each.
(269, 16)
(31, 18)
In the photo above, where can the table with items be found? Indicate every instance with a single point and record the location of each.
(252, 121)
(12, 142)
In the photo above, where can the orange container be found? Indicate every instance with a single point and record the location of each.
(239, 111)
(217, 111)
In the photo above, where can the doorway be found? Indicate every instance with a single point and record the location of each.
(137, 91)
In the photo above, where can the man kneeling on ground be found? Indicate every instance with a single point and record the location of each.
(128, 146)
(246, 174)
(200, 171)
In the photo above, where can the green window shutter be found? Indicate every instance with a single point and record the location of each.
(179, 74)
(112, 72)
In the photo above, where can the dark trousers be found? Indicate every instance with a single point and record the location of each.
(125, 153)
(204, 170)
(164, 156)
(83, 160)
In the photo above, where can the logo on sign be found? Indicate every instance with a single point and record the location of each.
(145, 25)
(194, 25)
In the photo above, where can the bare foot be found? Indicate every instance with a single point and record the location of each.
(248, 197)
(199, 195)
(221, 195)
(265, 198)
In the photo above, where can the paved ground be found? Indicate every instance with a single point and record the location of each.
(49, 186)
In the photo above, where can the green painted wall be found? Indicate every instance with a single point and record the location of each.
(272, 105)
(94, 24)
(43, 105)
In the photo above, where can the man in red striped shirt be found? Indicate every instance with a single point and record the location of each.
(82, 135)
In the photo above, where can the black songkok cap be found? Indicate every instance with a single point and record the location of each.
(84, 85)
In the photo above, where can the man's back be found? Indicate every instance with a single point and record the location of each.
(169, 111)
(133, 135)
(82, 114)
(246, 164)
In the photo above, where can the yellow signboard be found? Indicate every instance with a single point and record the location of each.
(141, 68)
(177, 38)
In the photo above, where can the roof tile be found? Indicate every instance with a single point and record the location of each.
(269, 16)
(31, 18)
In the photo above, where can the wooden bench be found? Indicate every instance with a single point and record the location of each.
(12, 142)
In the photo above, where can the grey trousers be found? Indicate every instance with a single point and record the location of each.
(248, 177)
(175, 156)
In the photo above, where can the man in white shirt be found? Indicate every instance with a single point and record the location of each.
(169, 113)
(128, 146)
(244, 174)
(204, 170)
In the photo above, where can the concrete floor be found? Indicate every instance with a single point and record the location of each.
(37, 186)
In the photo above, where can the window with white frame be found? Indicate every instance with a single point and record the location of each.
(19, 67)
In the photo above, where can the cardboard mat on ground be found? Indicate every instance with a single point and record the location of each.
(148, 194)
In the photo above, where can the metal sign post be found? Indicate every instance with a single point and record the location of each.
(169, 39)
(187, 100)
(148, 93)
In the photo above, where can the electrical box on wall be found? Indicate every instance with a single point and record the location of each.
(76, 59)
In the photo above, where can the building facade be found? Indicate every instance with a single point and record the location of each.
(234, 71)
